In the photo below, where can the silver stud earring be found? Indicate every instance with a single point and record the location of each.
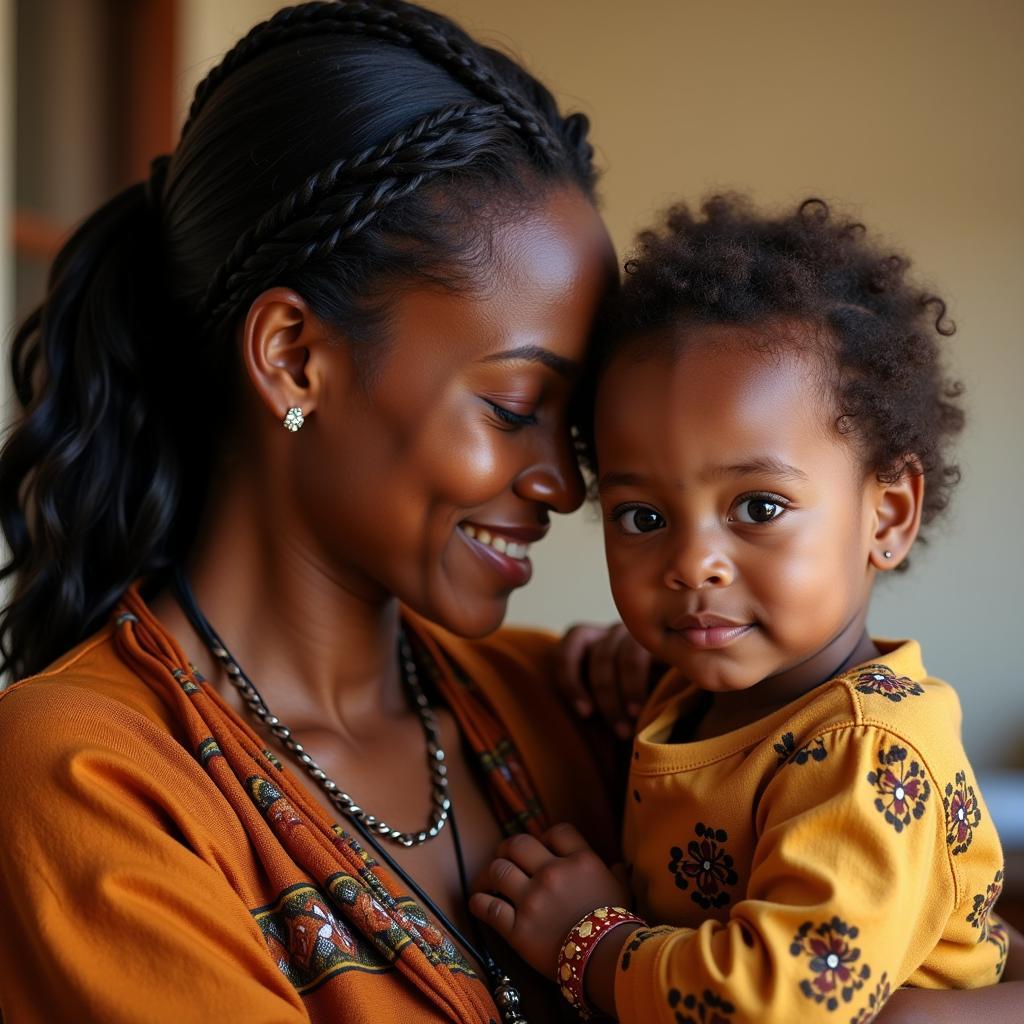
(887, 555)
(294, 419)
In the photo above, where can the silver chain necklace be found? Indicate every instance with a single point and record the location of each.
(435, 753)
(505, 994)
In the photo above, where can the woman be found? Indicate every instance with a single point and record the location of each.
(310, 385)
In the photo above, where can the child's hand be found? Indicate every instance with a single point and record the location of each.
(606, 667)
(540, 888)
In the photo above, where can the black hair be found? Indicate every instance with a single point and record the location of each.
(730, 264)
(342, 149)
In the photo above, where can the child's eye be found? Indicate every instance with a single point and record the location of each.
(758, 508)
(637, 519)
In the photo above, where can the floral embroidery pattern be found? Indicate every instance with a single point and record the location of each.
(962, 813)
(882, 681)
(813, 751)
(707, 864)
(708, 1009)
(983, 903)
(638, 938)
(876, 1001)
(832, 961)
(1000, 938)
(902, 789)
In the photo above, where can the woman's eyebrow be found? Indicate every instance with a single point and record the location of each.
(535, 354)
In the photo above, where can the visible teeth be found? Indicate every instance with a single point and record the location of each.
(501, 544)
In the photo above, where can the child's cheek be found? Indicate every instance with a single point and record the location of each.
(635, 589)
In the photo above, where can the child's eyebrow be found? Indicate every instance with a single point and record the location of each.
(610, 480)
(761, 464)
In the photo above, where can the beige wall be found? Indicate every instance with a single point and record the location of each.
(910, 112)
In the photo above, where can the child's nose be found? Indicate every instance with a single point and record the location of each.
(698, 563)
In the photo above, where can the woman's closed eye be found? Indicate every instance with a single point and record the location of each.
(757, 509)
(510, 419)
(635, 518)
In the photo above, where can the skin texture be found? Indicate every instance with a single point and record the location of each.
(695, 450)
(311, 539)
(726, 492)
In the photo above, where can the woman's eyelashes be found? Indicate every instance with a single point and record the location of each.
(511, 420)
(748, 509)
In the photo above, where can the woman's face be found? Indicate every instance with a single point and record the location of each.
(434, 472)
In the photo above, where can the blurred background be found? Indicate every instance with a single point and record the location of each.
(909, 114)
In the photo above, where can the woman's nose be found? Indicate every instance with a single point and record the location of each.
(554, 480)
(698, 563)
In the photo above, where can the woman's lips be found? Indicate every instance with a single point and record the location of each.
(504, 548)
(709, 632)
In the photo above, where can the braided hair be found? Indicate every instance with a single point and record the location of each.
(342, 149)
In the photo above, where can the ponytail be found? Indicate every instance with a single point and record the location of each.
(338, 149)
(91, 477)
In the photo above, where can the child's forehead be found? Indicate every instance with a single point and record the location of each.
(777, 337)
(693, 357)
(720, 388)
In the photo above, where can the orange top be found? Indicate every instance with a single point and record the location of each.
(159, 865)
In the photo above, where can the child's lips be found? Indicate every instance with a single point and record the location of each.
(709, 632)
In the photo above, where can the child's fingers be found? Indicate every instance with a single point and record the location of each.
(604, 683)
(564, 839)
(526, 852)
(506, 879)
(570, 658)
(493, 911)
(634, 669)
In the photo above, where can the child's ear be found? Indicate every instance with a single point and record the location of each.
(898, 508)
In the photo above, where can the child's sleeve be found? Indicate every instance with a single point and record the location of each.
(851, 886)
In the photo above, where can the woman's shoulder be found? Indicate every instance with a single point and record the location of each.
(87, 695)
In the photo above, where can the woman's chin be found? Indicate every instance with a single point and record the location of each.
(472, 619)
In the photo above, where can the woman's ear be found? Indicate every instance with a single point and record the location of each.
(283, 345)
(898, 508)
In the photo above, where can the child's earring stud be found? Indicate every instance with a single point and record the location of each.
(887, 555)
(294, 419)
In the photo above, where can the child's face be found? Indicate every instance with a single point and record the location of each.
(738, 524)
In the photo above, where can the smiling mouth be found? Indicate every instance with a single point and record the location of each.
(504, 545)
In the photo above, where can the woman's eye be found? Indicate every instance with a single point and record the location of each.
(513, 419)
(638, 519)
(758, 509)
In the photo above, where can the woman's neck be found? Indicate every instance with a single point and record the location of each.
(320, 649)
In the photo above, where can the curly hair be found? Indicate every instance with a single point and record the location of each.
(729, 264)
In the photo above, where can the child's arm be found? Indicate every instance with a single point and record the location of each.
(848, 892)
(1000, 1004)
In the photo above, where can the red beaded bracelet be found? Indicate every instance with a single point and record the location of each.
(579, 943)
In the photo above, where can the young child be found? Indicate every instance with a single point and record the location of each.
(803, 829)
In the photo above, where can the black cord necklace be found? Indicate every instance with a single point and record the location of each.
(506, 996)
